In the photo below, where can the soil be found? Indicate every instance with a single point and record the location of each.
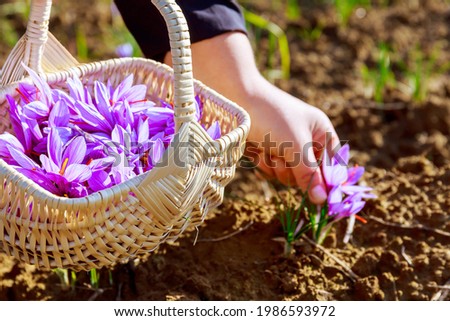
(401, 253)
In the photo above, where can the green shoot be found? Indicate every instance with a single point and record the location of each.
(419, 74)
(82, 47)
(345, 9)
(296, 221)
(381, 77)
(73, 279)
(318, 216)
(63, 275)
(94, 278)
(312, 34)
(293, 11)
(276, 36)
(290, 216)
(110, 278)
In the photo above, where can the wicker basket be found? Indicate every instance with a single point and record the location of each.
(136, 216)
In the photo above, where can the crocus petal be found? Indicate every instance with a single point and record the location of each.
(22, 159)
(135, 93)
(102, 98)
(143, 131)
(43, 87)
(32, 127)
(123, 87)
(99, 180)
(78, 173)
(48, 164)
(354, 174)
(55, 147)
(334, 174)
(76, 190)
(39, 178)
(35, 110)
(101, 163)
(6, 139)
(121, 137)
(140, 106)
(198, 108)
(76, 88)
(62, 95)
(335, 195)
(343, 155)
(59, 115)
(92, 117)
(27, 92)
(75, 151)
(353, 189)
(22, 132)
(157, 151)
(356, 207)
(214, 131)
(335, 208)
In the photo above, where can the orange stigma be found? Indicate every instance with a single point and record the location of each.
(64, 166)
(362, 220)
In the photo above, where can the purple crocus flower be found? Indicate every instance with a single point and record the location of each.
(214, 130)
(345, 198)
(20, 124)
(340, 207)
(336, 173)
(64, 164)
(124, 50)
(8, 141)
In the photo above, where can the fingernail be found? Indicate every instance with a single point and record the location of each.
(318, 194)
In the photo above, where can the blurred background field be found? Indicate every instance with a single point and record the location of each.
(381, 70)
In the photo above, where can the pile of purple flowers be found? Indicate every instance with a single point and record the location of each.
(79, 142)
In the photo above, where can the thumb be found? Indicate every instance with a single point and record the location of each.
(308, 176)
(317, 190)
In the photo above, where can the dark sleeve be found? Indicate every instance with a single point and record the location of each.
(205, 19)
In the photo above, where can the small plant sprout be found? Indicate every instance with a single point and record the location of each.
(82, 45)
(94, 277)
(293, 11)
(293, 221)
(73, 279)
(313, 33)
(276, 38)
(419, 72)
(380, 77)
(63, 275)
(345, 9)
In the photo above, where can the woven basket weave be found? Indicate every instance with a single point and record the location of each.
(136, 216)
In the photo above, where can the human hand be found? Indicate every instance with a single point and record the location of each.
(287, 142)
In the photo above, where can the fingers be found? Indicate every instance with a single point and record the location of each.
(308, 176)
(273, 167)
(283, 173)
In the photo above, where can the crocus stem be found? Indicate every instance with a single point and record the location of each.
(288, 249)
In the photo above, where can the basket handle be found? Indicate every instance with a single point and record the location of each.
(181, 60)
(37, 32)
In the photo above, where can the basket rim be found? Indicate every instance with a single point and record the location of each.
(85, 69)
